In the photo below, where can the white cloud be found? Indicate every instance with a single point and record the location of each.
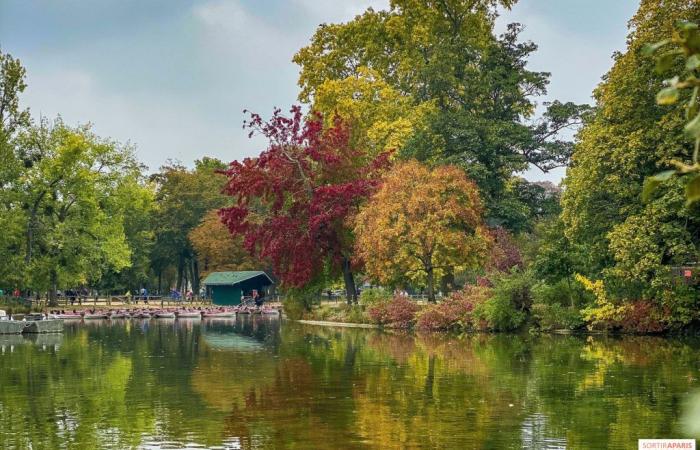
(327, 11)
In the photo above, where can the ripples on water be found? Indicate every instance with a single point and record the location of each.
(256, 382)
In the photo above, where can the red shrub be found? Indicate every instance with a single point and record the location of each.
(643, 316)
(399, 312)
(454, 312)
(505, 253)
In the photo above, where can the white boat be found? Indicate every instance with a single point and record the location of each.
(189, 314)
(68, 316)
(164, 315)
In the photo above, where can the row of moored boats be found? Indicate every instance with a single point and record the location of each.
(212, 313)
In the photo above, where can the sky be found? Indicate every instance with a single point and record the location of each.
(172, 77)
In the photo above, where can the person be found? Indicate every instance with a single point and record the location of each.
(16, 293)
(189, 295)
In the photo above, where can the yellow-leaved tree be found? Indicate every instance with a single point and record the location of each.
(216, 249)
(381, 117)
(421, 223)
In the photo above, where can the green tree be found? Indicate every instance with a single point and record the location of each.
(183, 199)
(12, 119)
(630, 243)
(72, 205)
(479, 94)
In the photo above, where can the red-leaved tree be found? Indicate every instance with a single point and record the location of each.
(295, 202)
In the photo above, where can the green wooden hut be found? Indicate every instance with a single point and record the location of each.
(227, 288)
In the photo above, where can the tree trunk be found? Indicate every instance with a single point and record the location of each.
(54, 287)
(447, 282)
(571, 297)
(431, 284)
(350, 290)
(195, 277)
(180, 271)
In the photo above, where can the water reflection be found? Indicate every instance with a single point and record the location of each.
(256, 382)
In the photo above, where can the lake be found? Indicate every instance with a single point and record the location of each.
(257, 382)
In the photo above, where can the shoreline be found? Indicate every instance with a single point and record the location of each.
(328, 323)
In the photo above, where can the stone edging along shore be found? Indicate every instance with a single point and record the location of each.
(325, 323)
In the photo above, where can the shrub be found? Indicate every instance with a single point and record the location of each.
(603, 314)
(499, 314)
(643, 317)
(370, 297)
(561, 293)
(399, 312)
(296, 303)
(453, 313)
(556, 317)
(516, 288)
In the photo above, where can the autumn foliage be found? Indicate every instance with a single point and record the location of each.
(399, 312)
(294, 203)
(455, 312)
(422, 223)
(217, 249)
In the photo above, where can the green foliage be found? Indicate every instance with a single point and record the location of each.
(507, 308)
(373, 296)
(297, 302)
(554, 316)
(686, 44)
(613, 235)
(182, 200)
(446, 59)
(499, 314)
(562, 292)
(343, 313)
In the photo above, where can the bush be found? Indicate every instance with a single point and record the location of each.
(297, 302)
(373, 296)
(643, 317)
(499, 314)
(399, 312)
(453, 313)
(516, 287)
(556, 317)
(341, 313)
(561, 293)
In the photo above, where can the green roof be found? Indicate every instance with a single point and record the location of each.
(232, 278)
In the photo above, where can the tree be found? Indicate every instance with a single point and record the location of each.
(622, 144)
(420, 224)
(295, 202)
(217, 249)
(380, 117)
(183, 198)
(12, 120)
(72, 204)
(475, 89)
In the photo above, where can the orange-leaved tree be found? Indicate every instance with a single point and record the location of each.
(421, 223)
(217, 249)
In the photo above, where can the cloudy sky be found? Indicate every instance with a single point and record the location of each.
(173, 76)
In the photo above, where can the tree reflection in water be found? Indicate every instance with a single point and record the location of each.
(256, 382)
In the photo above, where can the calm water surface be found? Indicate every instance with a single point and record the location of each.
(261, 383)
